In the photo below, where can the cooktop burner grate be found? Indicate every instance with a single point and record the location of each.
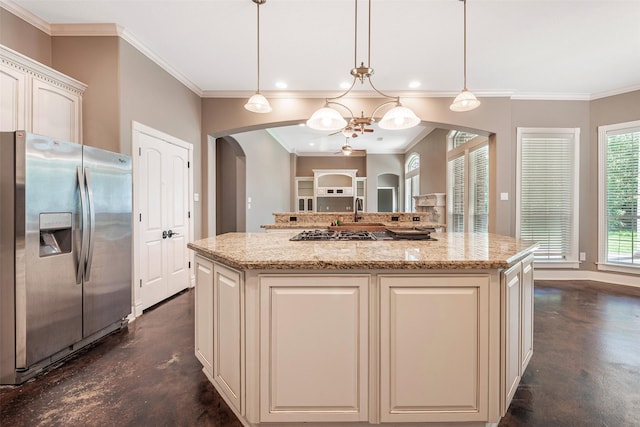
(334, 235)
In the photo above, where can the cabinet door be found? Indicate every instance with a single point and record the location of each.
(204, 314)
(434, 332)
(56, 112)
(527, 313)
(314, 348)
(511, 323)
(228, 343)
(12, 102)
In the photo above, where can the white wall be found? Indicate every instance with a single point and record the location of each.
(268, 177)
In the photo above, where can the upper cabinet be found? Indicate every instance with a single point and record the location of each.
(39, 99)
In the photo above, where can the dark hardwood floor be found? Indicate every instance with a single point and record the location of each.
(585, 370)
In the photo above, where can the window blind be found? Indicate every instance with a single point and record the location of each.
(455, 196)
(479, 189)
(547, 198)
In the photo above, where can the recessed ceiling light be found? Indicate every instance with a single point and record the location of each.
(414, 84)
(281, 85)
(302, 124)
(312, 144)
(345, 85)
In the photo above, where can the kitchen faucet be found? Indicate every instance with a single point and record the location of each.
(358, 205)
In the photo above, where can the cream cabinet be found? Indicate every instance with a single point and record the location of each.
(314, 348)
(39, 99)
(517, 324)
(204, 314)
(436, 330)
(228, 335)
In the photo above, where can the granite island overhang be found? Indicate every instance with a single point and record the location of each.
(372, 332)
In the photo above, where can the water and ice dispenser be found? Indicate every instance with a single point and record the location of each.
(55, 233)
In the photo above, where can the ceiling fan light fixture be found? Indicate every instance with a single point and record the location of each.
(326, 119)
(258, 104)
(347, 150)
(398, 118)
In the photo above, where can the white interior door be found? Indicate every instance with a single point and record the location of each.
(163, 180)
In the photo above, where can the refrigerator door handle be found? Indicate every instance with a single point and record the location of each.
(84, 235)
(92, 221)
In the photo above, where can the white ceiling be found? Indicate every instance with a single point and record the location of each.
(526, 49)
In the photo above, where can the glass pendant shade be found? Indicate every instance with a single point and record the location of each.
(398, 118)
(346, 150)
(258, 104)
(465, 101)
(326, 119)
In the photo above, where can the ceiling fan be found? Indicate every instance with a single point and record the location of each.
(356, 125)
(347, 150)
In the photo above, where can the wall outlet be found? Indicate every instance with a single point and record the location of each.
(416, 218)
(583, 256)
(395, 218)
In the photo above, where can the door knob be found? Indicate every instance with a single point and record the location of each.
(171, 233)
(165, 235)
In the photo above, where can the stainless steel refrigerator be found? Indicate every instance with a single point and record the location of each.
(65, 249)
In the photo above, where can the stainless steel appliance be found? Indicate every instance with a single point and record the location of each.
(65, 246)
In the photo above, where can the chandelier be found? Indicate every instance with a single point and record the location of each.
(328, 118)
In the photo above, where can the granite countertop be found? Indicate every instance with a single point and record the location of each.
(267, 251)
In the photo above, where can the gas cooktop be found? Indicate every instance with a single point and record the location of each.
(334, 235)
(389, 234)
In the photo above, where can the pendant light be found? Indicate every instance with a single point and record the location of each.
(329, 119)
(465, 101)
(258, 103)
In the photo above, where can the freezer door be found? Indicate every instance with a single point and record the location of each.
(107, 275)
(47, 296)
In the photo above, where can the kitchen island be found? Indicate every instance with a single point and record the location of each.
(432, 332)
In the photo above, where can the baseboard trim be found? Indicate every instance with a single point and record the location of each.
(597, 276)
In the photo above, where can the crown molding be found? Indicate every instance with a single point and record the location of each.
(81, 30)
(615, 92)
(26, 15)
(552, 96)
(133, 41)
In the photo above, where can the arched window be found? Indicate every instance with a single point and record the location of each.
(412, 181)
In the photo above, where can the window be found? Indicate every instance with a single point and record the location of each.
(547, 193)
(467, 182)
(619, 197)
(412, 182)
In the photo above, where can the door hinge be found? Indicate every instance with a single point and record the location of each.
(140, 217)
(189, 214)
(139, 151)
(189, 264)
(140, 282)
(188, 165)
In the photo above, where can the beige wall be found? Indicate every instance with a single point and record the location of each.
(22, 37)
(433, 162)
(306, 164)
(94, 61)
